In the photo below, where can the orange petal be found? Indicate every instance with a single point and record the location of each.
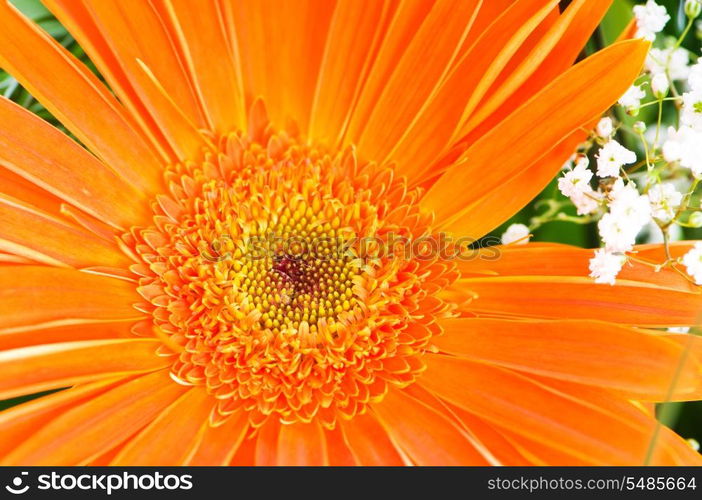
(599, 428)
(19, 188)
(20, 422)
(497, 206)
(635, 363)
(407, 19)
(211, 61)
(369, 442)
(338, 451)
(427, 436)
(292, 35)
(499, 445)
(169, 437)
(77, 19)
(573, 297)
(57, 243)
(33, 149)
(414, 78)
(553, 259)
(267, 443)
(134, 31)
(356, 32)
(77, 98)
(28, 370)
(663, 446)
(64, 331)
(567, 103)
(90, 430)
(302, 444)
(245, 456)
(487, 15)
(539, 454)
(431, 131)
(31, 295)
(554, 53)
(184, 136)
(217, 445)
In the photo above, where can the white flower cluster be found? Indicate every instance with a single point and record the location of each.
(684, 145)
(625, 208)
(635, 181)
(628, 211)
(575, 184)
(650, 19)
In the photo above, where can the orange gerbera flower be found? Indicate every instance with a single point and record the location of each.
(185, 279)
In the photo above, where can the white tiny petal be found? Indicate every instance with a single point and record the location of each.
(628, 206)
(650, 19)
(693, 261)
(659, 84)
(664, 200)
(674, 62)
(587, 201)
(691, 115)
(617, 235)
(685, 146)
(576, 181)
(694, 79)
(605, 127)
(518, 233)
(612, 157)
(605, 266)
(632, 97)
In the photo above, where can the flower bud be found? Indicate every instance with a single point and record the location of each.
(695, 219)
(693, 8)
(660, 85)
(605, 127)
(639, 127)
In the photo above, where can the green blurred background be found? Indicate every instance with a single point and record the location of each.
(685, 418)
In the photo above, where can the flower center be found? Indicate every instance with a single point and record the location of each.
(267, 272)
(295, 274)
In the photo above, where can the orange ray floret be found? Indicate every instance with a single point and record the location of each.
(228, 282)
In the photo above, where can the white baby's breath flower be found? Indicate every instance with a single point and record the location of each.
(586, 202)
(576, 181)
(516, 233)
(651, 18)
(629, 211)
(674, 62)
(693, 261)
(575, 184)
(631, 100)
(628, 205)
(612, 157)
(694, 79)
(692, 109)
(605, 127)
(605, 266)
(617, 233)
(664, 200)
(659, 85)
(685, 146)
